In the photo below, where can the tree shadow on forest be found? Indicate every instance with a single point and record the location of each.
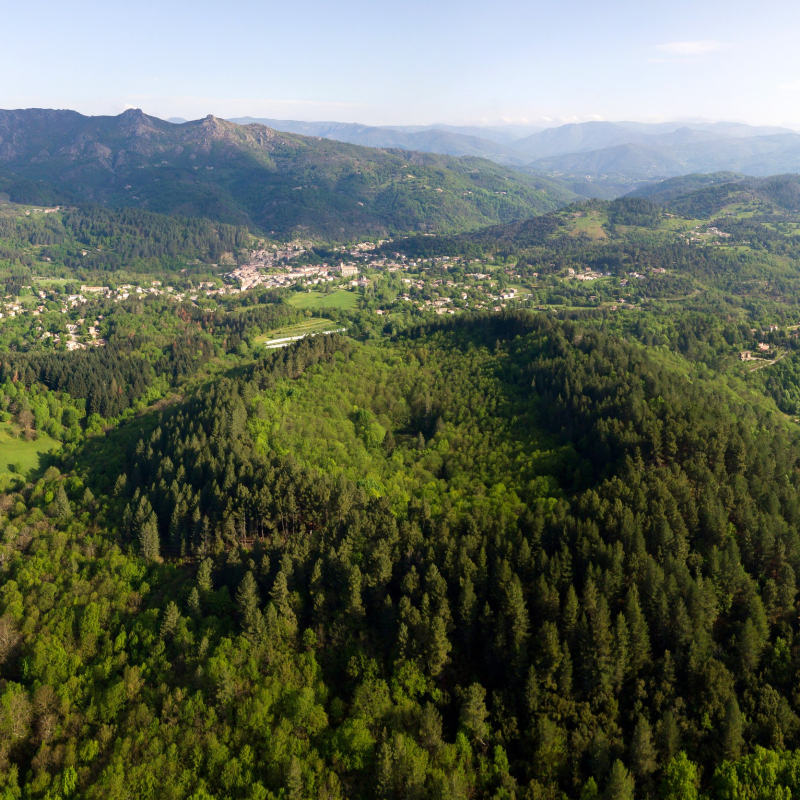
(102, 459)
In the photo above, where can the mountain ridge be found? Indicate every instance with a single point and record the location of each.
(429, 140)
(272, 181)
(756, 155)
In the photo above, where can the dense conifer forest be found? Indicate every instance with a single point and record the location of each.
(540, 550)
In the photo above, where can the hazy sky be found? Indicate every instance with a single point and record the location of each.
(418, 61)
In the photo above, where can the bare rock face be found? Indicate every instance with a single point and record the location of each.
(28, 134)
(135, 124)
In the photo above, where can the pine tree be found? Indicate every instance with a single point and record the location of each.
(466, 603)
(598, 643)
(248, 602)
(264, 566)
(643, 757)
(294, 780)
(430, 728)
(570, 615)
(354, 605)
(732, 727)
(120, 486)
(149, 543)
(385, 772)
(637, 630)
(280, 597)
(548, 654)
(620, 784)
(171, 618)
(621, 652)
(438, 646)
(60, 507)
(516, 614)
(204, 581)
(474, 713)
(195, 608)
(564, 675)
(668, 736)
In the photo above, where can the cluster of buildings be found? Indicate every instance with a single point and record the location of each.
(14, 307)
(254, 274)
(483, 297)
(42, 211)
(586, 275)
(764, 349)
(91, 339)
(696, 235)
(73, 338)
(717, 232)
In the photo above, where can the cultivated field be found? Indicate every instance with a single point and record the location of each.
(289, 333)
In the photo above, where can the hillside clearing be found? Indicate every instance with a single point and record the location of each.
(22, 453)
(341, 299)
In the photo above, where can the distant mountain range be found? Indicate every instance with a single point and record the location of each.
(448, 140)
(252, 174)
(590, 136)
(592, 159)
(756, 155)
(395, 180)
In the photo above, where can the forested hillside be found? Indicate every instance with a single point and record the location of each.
(560, 576)
(251, 175)
(94, 238)
(778, 192)
(513, 513)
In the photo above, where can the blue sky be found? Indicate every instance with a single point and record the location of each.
(408, 62)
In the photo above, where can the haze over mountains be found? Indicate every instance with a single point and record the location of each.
(492, 143)
(595, 158)
(662, 157)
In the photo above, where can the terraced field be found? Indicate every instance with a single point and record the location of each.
(280, 337)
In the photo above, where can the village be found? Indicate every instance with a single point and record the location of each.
(379, 281)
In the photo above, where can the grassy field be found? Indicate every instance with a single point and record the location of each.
(43, 281)
(679, 224)
(590, 223)
(341, 298)
(316, 325)
(18, 451)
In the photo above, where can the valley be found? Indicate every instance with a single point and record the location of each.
(505, 510)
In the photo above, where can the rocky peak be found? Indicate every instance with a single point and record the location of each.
(215, 123)
(135, 122)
